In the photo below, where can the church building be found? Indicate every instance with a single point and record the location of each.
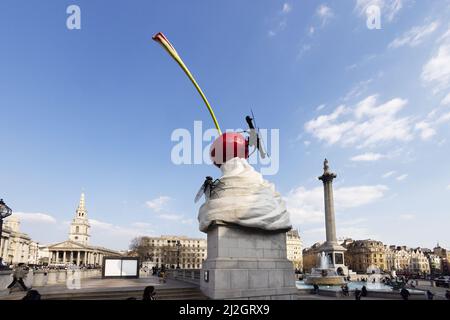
(77, 250)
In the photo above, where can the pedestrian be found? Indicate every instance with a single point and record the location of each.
(2, 265)
(149, 293)
(162, 276)
(404, 293)
(32, 295)
(364, 291)
(430, 295)
(316, 289)
(19, 273)
(447, 294)
(344, 289)
(357, 294)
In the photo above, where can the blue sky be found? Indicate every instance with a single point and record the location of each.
(94, 109)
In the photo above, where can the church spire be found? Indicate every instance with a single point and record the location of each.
(79, 228)
(81, 210)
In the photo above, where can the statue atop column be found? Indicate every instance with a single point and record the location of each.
(327, 174)
(325, 166)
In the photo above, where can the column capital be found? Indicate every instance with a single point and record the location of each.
(327, 177)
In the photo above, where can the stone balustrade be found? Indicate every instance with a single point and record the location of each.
(186, 275)
(41, 278)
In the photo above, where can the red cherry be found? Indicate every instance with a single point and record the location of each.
(229, 145)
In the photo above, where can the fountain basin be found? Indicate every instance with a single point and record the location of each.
(325, 281)
(324, 277)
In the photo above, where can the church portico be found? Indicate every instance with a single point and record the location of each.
(68, 252)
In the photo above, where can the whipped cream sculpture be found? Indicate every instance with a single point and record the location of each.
(242, 197)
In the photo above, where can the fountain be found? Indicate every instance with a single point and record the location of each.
(324, 275)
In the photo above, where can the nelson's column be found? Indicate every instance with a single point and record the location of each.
(331, 247)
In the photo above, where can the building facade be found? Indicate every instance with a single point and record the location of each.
(310, 257)
(172, 251)
(444, 255)
(418, 263)
(14, 245)
(294, 249)
(363, 255)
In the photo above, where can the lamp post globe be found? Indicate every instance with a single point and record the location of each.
(5, 211)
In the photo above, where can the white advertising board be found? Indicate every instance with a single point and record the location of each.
(117, 267)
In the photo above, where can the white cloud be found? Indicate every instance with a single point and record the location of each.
(115, 236)
(389, 8)
(306, 143)
(306, 205)
(443, 118)
(280, 22)
(445, 36)
(311, 31)
(407, 217)
(426, 130)
(323, 106)
(187, 221)
(415, 36)
(170, 216)
(325, 13)
(141, 225)
(303, 49)
(446, 100)
(357, 90)
(352, 222)
(286, 8)
(388, 174)
(448, 187)
(158, 204)
(100, 227)
(35, 217)
(402, 177)
(355, 233)
(315, 230)
(428, 127)
(368, 157)
(436, 71)
(367, 124)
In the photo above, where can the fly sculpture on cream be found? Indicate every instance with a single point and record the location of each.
(246, 221)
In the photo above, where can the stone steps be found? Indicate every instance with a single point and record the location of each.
(161, 294)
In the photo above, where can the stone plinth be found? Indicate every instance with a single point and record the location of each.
(246, 263)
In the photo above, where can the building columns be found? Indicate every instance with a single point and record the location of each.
(64, 257)
(78, 258)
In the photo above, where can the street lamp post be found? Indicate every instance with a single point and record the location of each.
(5, 212)
(178, 254)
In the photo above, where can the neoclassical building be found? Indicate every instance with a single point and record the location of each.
(171, 251)
(77, 250)
(15, 245)
(365, 254)
(294, 249)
